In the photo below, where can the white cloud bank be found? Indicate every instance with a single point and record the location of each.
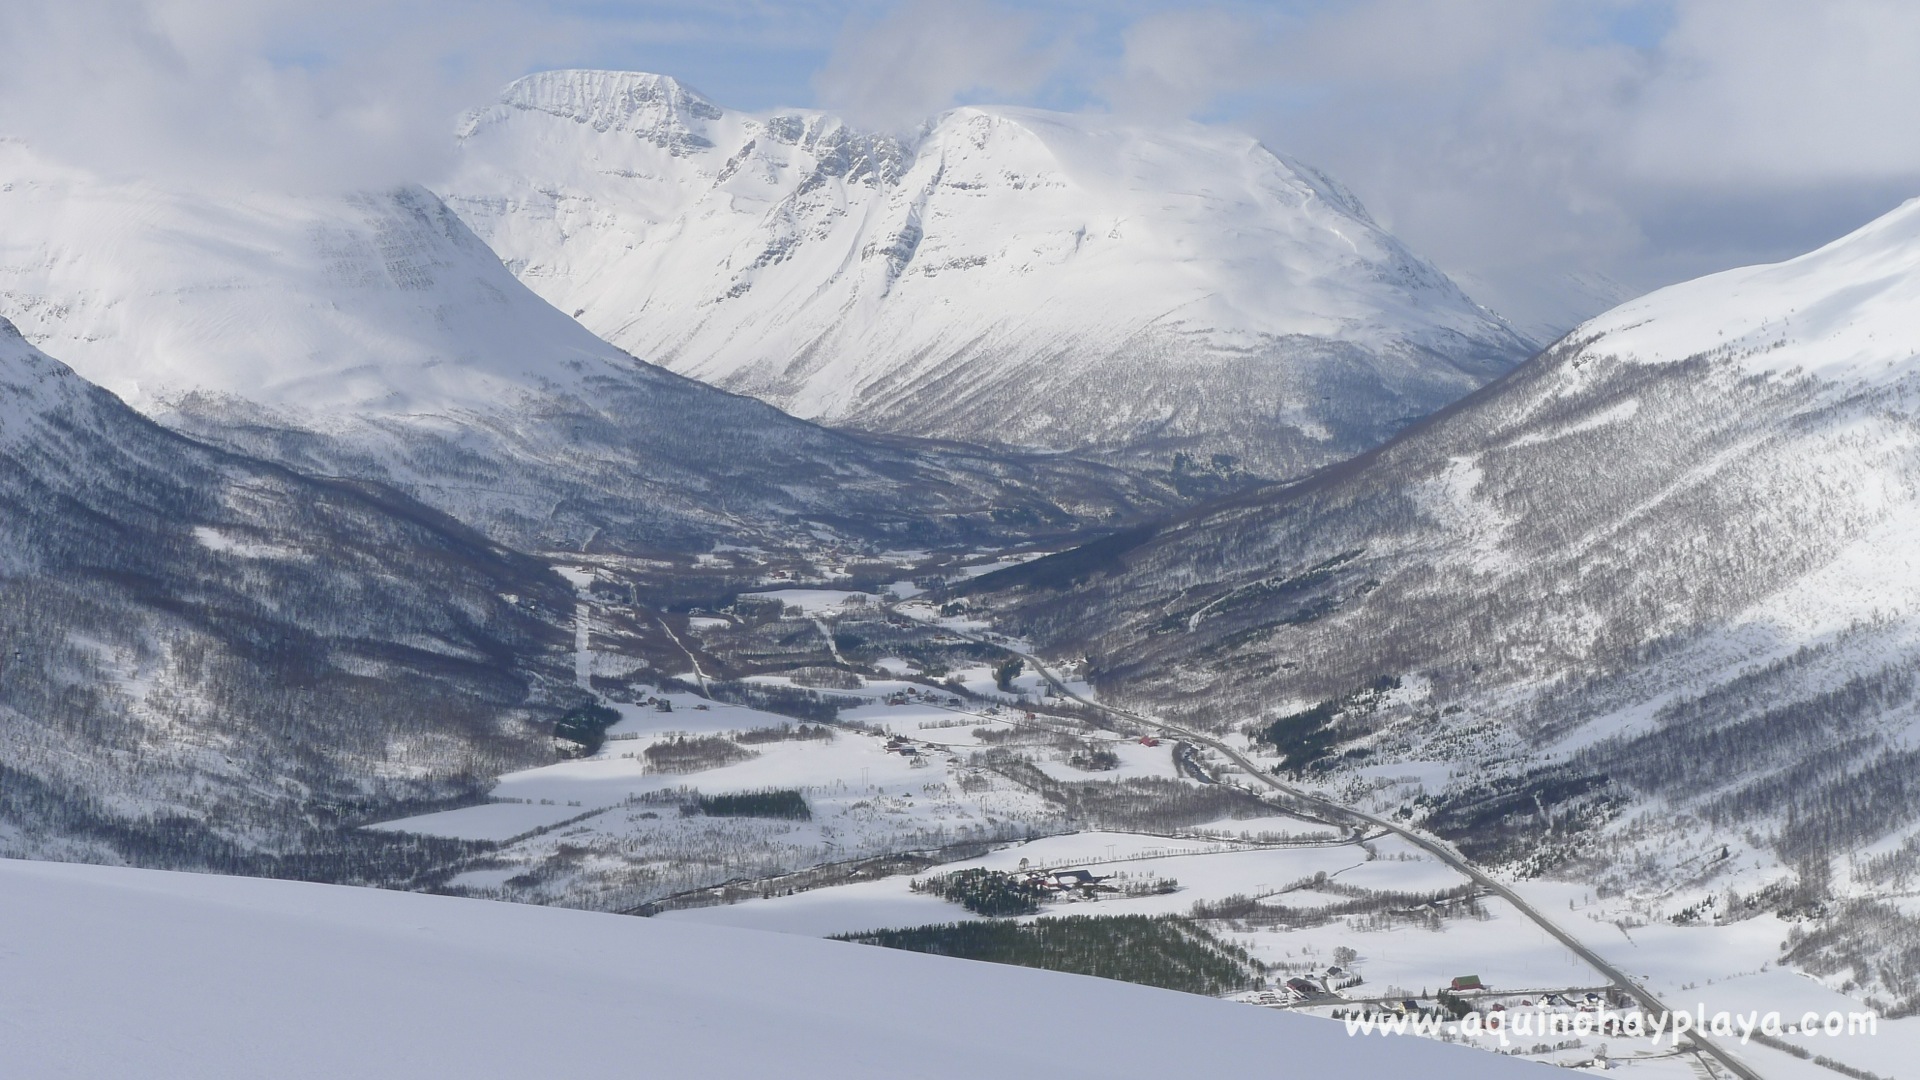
(1554, 154)
(1540, 150)
(343, 94)
(1538, 147)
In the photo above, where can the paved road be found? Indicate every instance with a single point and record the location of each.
(698, 675)
(1440, 851)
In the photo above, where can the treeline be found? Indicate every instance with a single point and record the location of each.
(1133, 804)
(801, 704)
(683, 754)
(1163, 951)
(771, 803)
(1245, 912)
(785, 733)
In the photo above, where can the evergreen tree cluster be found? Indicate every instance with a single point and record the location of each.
(993, 893)
(771, 803)
(1305, 738)
(1163, 951)
(586, 726)
(1006, 671)
(693, 754)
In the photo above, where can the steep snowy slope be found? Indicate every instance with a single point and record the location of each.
(209, 661)
(374, 336)
(1006, 275)
(138, 973)
(1671, 565)
(1849, 312)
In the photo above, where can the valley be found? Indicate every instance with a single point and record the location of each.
(1056, 588)
(903, 777)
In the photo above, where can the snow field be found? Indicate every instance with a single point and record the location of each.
(1728, 967)
(810, 601)
(165, 976)
(1845, 311)
(632, 844)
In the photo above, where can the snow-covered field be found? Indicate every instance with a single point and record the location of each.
(1503, 948)
(116, 972)
(608, 832)
(864, 798)
(1732, 967)
(1713, 968)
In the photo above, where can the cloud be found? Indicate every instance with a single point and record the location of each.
(892, 72)
(1782, 92)
(1175, 63)
(1540, 149)
(350, 93)
(1534, 148)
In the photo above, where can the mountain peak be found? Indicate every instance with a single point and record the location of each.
(970, 282)
(658, 108)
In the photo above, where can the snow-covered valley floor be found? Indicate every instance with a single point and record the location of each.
(910, 769)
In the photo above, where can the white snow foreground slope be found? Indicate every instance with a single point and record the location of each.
(373, 335)
(1006, 274)
(117, 972)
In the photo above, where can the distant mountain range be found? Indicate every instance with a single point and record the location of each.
(1011, 276)
(1669, 565)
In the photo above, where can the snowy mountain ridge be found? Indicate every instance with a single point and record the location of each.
(1657, 588)
(385, 295)
(1005, 274)
(1844, 312)
(373, 335)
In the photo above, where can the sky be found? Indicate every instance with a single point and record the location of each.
(1553, 156)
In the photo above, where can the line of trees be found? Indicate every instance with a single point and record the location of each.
(1164, 951)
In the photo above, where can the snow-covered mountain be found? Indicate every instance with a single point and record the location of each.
(1653, 599)
(208, 661)
(157, 975)
(1004, 275)
(374, 336)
